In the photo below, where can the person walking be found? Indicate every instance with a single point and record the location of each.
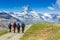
(18, 28)
(9, 26)
(14, 26)
(23, 27)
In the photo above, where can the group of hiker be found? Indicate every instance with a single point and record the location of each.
(16, 26)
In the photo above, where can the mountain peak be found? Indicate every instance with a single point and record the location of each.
(27, 8)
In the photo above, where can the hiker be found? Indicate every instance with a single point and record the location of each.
(14, 26)
(23, 27)
(9, 26)
(18, 28)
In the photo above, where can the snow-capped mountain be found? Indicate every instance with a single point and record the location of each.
(6, 18)
(52, 18)
(29, 16)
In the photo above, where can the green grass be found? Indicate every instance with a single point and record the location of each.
(3, 31)
(41, 31)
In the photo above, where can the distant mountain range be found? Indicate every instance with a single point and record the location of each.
(52, 18)
(29, 16)
(6, 18)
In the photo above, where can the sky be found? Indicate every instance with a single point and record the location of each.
(38, 5)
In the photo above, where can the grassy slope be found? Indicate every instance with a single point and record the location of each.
(43, 31)
(3, 31)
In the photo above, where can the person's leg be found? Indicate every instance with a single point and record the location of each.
(14, 30)
(19, 30)
(9, 29)
(23, 30)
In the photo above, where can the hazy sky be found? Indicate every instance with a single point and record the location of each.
(39, 5)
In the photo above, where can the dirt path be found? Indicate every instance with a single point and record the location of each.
(14, 36)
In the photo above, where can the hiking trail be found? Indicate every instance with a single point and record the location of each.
(14, 36)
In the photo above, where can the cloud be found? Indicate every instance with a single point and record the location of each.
(58, 3)
(54, 5)
(51, 8)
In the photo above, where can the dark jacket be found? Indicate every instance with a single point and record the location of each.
(23, 25)
(9, 25)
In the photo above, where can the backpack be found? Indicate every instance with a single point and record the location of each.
(9, 25)
(18, 25)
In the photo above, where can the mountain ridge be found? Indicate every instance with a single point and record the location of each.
(30, 16)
